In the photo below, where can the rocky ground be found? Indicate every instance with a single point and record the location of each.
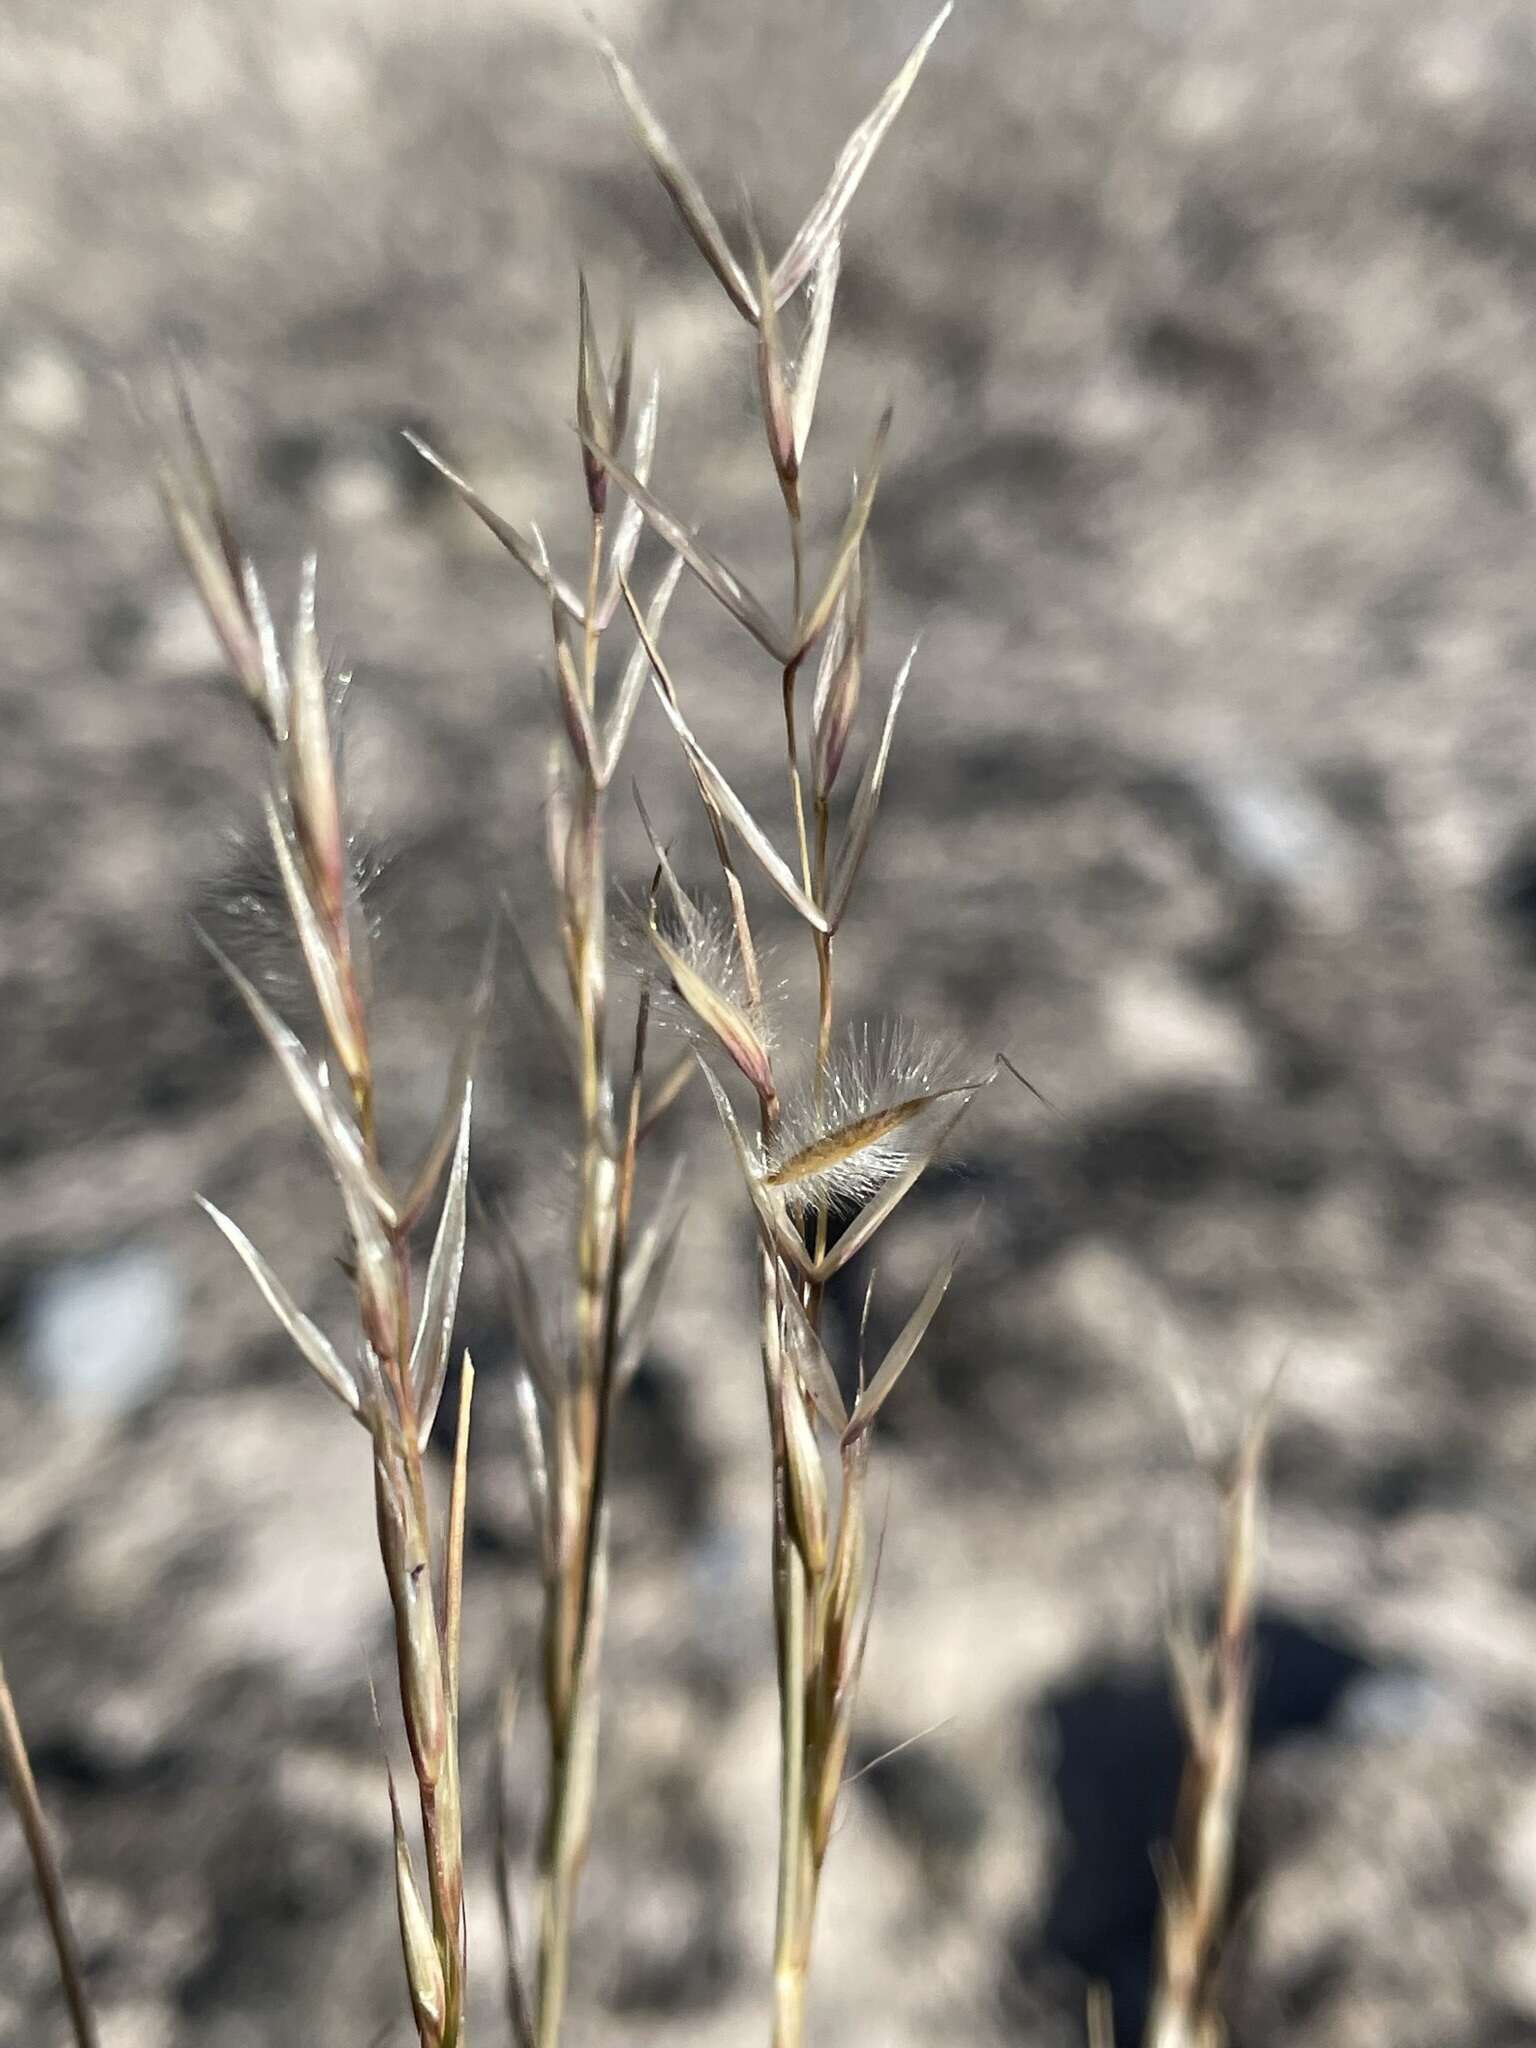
(1213, 337)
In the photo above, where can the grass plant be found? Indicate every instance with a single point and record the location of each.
(827, 1141)
(391, 1380)
(824, 1162)
(567, 1394)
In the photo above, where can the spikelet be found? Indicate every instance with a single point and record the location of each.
(704, 934)
(839, 1144)
(690, 952)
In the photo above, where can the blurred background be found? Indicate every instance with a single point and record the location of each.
(1212, 332)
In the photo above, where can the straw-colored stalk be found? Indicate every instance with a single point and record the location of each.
(862, 1142)
(566, 1401)
(17, 1766)
(400, 1350)
(1214, 1684)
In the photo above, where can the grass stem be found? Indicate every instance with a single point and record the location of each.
(45, 1869)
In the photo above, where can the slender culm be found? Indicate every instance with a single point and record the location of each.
(613, 1283)
(399, 1352)
(826, 1166)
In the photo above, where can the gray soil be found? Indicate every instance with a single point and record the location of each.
(1213, 336)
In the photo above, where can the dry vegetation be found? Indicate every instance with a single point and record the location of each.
(828, 1138)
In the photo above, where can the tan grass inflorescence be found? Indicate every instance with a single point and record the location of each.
(827, 1148)
(390, 1376)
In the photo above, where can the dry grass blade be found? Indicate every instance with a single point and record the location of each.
(631, 521)
(773, 378)
(310, 764)
(260, 614)
(899, 1357)
(45, 1869)
(806, 1477)
(813, 350)
(687, 911)
(573, 706)
(834, 647)
(218, 581)
(592, 1583)
(869, 1296)
(453, 1563)
(623, 1213)
(877, 1211)
(439, 1146)
(808, 1355)
(519, 2012)
(592, 408)
(209, 549)
(723, 584)
(848, 541)
(1214, 1684)
(423, 1964)
(775, 1231)
(312, 1341)
(517, 544)
(720, 792)
(621, 377)
(724, 1020)
(559, 819)
(637, 669)
(838, 686)
(679, 183)
(800, 258)
(591, 381)
(375, 1273)
(741, 820)
(202, 464)
(395, 1384)
(866, 803)
(536, 1462)
(440, 1298)
(339, 1137)
(844, 1702)
(331, 990)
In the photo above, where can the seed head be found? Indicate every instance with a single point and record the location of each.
(839, 1142)
(692, 953)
